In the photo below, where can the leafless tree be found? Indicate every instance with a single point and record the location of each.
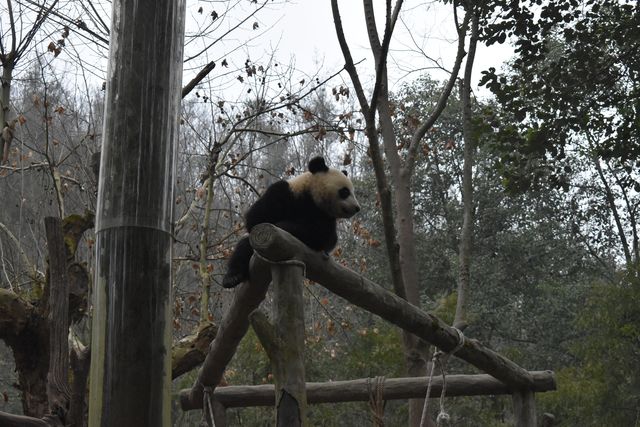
(394, 189)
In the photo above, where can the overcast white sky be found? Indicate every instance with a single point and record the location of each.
(304, 29)
(302, 32)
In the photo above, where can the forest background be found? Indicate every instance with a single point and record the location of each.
(547, 144)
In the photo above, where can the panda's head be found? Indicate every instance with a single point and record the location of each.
(331, 189)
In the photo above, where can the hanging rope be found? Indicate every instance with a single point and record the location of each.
(376, 400)
(207, 407)
(441, 358)
(284, 262)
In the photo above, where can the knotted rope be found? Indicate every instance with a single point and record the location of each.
(441, 358)
(207, 406)
(283, 262)
(376, 400)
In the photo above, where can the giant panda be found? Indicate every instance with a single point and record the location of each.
(306, 206)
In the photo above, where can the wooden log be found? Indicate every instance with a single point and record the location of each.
(219, 413)
(288, 314)
(190, 351)
(366, 294)
(247, 297)
(524, 408)
(394, 388)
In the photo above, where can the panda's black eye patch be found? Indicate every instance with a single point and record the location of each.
(344, 192)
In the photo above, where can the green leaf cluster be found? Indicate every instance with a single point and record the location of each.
(603, 386)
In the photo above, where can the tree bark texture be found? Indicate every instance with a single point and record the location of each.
(466, 234)
(288, 314)
(58, 390)
(524, 408)
(5, 108)
(131, 334)
(190, 352)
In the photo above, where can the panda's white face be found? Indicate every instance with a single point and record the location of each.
(332, 191)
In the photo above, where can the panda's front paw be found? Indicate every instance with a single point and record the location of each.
(231, 280)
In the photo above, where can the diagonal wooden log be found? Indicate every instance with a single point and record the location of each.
(234, 326)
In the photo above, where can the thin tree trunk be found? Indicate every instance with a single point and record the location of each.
(466, 234)
(399, 231)
(5, 108)
(205, 282)
(611, 201)
(58, 391)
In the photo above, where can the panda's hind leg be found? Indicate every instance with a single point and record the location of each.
(238, 265)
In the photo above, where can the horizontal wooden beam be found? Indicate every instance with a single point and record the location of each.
(360, 389)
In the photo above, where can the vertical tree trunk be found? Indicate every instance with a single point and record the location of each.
(31, 355)
(205, 279)
(401, 246)
(466, 234)
(131, 336)
(5, 107)
(58, 390)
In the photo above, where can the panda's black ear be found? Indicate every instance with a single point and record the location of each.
(317, 164)
(345, 172)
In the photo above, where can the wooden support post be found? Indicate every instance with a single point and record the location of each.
(288, 313)
(524, 408)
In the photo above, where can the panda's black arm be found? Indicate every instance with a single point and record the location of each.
(271, 207)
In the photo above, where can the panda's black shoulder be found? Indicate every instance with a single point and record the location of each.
(272, 206)
(281, 188)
